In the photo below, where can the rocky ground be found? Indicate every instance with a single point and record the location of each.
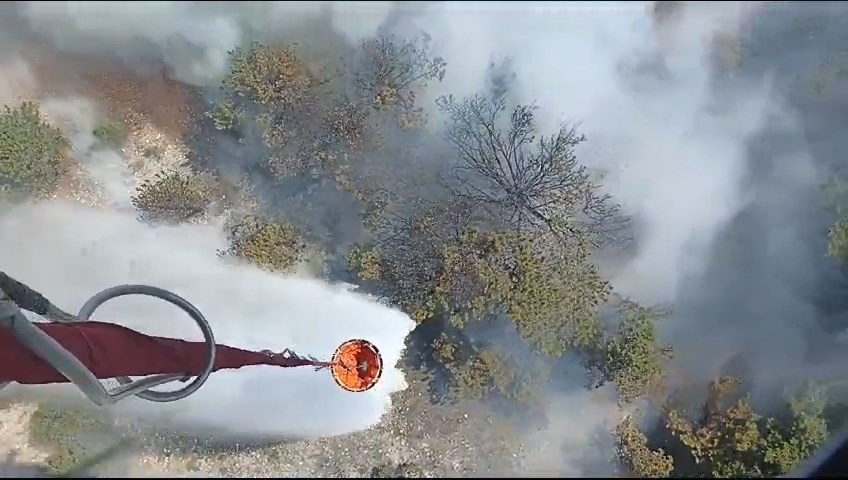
(415, 439)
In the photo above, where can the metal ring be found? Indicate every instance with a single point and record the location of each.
(121, 290)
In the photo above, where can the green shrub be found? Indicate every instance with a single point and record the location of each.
(112, 133)
(270, 75)
(31, 151)
(273, 245)
(60, 431)
(173, 197)
(224, 115)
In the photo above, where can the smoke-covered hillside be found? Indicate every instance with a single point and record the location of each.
(597, 238)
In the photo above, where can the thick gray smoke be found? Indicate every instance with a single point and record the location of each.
(768, 290)
(192, 38)
(718, 163)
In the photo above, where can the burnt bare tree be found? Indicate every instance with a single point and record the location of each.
(527, 180)
(390, 67)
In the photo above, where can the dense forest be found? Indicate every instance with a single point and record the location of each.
(483, 228)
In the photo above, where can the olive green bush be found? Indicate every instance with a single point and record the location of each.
(31, 151)
(112, 133)
(271, 244)
(224, 115)
(61, 432)
(173, 197)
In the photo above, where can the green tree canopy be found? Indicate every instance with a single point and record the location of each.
(732, 440)
(836, 194)
(636, 457)
(632, 356)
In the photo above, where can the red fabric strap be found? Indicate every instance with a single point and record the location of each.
(111, 350)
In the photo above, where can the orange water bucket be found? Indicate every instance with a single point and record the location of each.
(357, 365)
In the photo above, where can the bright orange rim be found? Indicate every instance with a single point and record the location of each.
(357, 365)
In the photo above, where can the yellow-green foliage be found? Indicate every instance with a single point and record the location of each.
(60, 431)
(392, 69)
(550, 298)
(478, 372)
(637, 459)
(634, 358)
(279, 90)
(270, 75)
(365, 262)
(31, 151)
(473, 374)
(173, 196)
(837, 245)
(112, 133)
(313, 125)
(836, 193)
(224, 115)
(272, 244)
(736, 441)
